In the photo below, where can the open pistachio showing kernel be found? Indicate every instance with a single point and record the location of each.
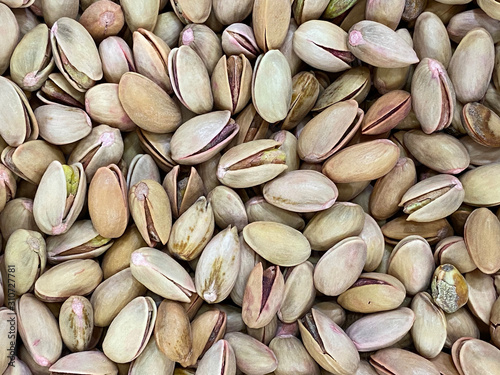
(218, 266)
(231, 83)
(57, 90)
(323, 45)
(239, 38)
(208, 328)
(263, 296)
(252, 163)
(387, 112)
(81, 241)
(433, 198)
(219, 359)
(328, 344)
(75, 53)
(60, 197)
(482, 124)
(449, 288)
(129, 333)
(150, 208)
(329, 131)
(183, 189)
(202, 137)
(399, 361)
(161, 274)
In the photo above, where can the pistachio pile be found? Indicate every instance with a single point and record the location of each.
(221, 187)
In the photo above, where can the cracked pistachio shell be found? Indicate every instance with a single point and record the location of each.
(8, 186)
(304, 11)
(380, 46)
(482, 235)
(431, 39)
(192, 231)
(479, 185)
(9, 29)
(381, 330)
(19, 123)
(88, 362)
(207, 329)
(292, 357)
(362, 162)
(203, 40)
(389, 189)
(258, 209)
(301, 191)
(328, 227)
(173, 332)
(433, 97)
(231, 83)
(151, 58)
(270, 22)
(399, 228)
(151, 361)
(25, 251)
(263, 296)
(247, 349)
(352, 84)
(336, 8)
(113, 294)
(75, 53)
(473, 356)
(147, 104)
(438, 151)
(471, 65)
(150, 208)
(32, 62)
(329, 131)
(277, 243)
(156, 145)
(102, 19)
(322, 45)
(73, 277)
(107, 202)
(328, 344)
(289, 147)
(272, 86)
(189, 12)
(239, 38)
(452, 250)
(142, 167)
(482, 124)
(43, 345)
(102, 147)
(200, 138)
(116, 57)
(103, 106)
(81, 241)
(182, 189)
(60, 197)
(412, 262)
(373, 292)
(76, 322)
(161, 274)
(62, 125)
(434, 198)
(248, 260)
(482, 294)
(299, 293)
(375, 244)
(140, 14)
(228, 208)
(129, 333)
(305, 91)
(30, 160)
(251, 163)
(429, 330)
(340, 267)
(219, 359)
(190, 79)
(399, 361)
(218, 266)
(57, 90)
(463, 22)
(386, 112)
(388, 13)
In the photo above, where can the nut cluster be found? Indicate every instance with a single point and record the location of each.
(255, 187)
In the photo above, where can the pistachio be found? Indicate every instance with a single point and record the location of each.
(478, 185)
(246, 349)
(239, 38)
(103, 19)
(116, 57)
(452, 250)
(76, 322)
(270, 22)
(449, 288)
(258, 209)
(482, 294)
(190, 12)
(386, 113)
(93, 362)
(228, 208)
(482, 124)
(394, 360)
(219, 359)
(384, 12)
(473, 356)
